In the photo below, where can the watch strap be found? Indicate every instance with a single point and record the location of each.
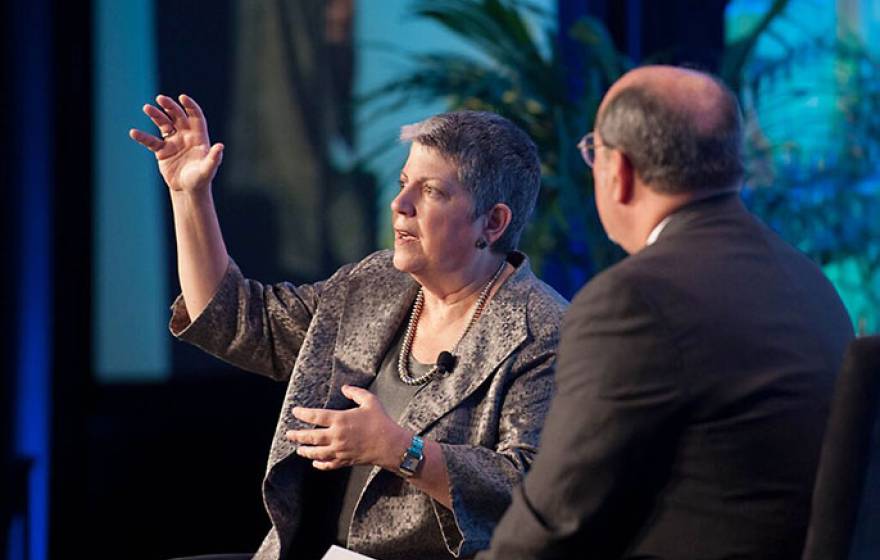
(412, 457)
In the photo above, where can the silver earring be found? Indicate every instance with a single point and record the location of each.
(481, 243)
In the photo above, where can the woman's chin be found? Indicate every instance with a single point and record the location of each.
(405, 261)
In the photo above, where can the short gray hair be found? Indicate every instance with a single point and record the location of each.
(497, 162)
(665, 145)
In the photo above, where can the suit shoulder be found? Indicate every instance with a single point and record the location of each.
(545, 308)
(544, 297)
(619, 278)
(381, 260)
(377, 263)
(375, 266)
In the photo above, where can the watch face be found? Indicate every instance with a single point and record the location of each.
(409, 464)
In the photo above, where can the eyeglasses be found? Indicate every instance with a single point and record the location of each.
(588, 146)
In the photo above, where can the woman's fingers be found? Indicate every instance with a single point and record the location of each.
(328, 465)
(317, 453)
(159, 118)
(170, 118)
(192, 108)
(310, 437)
(359, 395)
(173, 110)
(317, 416)
(146, 140)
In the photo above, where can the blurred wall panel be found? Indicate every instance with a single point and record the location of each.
(131, 258)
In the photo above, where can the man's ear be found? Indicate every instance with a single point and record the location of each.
(624, 187)
(497, 219)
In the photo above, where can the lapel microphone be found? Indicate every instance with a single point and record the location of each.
(445, 362)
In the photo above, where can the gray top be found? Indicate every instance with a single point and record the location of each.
(394, 395)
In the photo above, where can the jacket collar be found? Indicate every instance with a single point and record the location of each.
(712, 207)
(376, 305)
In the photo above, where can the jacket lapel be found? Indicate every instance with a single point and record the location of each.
(369, 321)
(494, 337)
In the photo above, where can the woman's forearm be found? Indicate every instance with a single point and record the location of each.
(201, 254)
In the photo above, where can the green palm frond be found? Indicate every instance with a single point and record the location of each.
(518, 72)
(737, 54)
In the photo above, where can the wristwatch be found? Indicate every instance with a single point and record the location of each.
(412, 457)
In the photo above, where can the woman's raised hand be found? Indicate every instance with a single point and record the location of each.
(187, 160)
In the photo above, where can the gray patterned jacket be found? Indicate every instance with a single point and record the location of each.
(486, 415)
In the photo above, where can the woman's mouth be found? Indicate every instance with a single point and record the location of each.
(403, 236)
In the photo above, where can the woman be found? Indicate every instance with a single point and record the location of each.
(418, 378)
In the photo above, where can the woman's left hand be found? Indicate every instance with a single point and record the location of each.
(364, 435)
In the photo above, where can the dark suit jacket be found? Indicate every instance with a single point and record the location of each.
(693, 385)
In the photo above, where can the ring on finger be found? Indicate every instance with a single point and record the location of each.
(171, 132)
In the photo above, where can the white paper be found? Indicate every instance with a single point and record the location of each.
(339, 553)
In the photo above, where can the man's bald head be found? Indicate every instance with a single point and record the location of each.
(680, 129)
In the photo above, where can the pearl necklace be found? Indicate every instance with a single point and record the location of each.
(403, 358)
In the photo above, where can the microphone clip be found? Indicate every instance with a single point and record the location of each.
(446, 362)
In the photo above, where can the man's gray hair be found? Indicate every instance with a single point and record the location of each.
(667, 145)
(497, 162)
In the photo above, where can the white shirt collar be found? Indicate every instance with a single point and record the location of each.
(655, 233)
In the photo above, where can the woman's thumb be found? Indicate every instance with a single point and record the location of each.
(216, 153)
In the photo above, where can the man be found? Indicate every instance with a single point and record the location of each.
(693, 377)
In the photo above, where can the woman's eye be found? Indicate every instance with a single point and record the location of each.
(401, 184)
(432, 191)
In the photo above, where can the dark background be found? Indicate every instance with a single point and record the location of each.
(160, 470)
